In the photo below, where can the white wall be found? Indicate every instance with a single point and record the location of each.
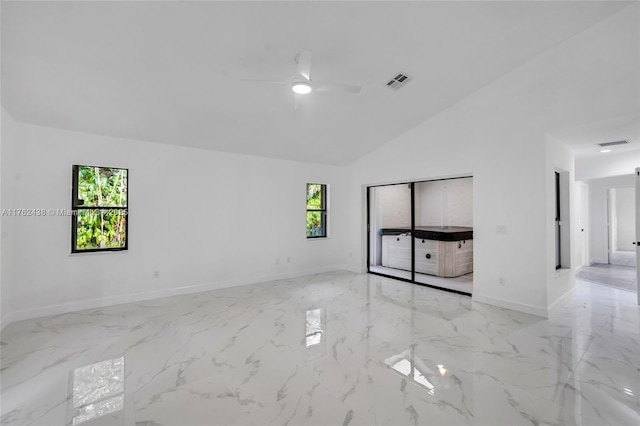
(626, 219)
(612, 195)
(438, 203)
(392, 206)
(444, 202)
(560, 159)
(497, 135)
(508, 191)
(7, 193)
(598, 233)
(203, 219)
(611, 164)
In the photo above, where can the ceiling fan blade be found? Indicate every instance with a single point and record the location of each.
(327, 86)
(303, 58)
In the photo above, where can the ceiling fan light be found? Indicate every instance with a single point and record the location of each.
(301, 87)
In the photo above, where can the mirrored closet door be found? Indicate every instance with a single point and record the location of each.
(422, 232)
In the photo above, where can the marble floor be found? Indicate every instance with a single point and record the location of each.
(623, 277)
(328, 349)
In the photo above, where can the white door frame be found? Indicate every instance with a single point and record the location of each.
(582, 230)
(609, 218)
(638, 233)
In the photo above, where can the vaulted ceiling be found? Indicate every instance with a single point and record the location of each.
(172, 72)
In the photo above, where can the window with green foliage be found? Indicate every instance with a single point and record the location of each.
(99, 209)
(316, 210)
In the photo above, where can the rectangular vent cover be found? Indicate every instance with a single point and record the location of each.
(398, 81)
(613, 143)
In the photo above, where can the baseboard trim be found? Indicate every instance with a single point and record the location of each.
(5, 320)
(520, 307)
(598, 260)
(561, 301)
(354, 269)
(80, 305)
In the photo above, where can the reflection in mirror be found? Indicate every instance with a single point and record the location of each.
(444, 233)
(314, 327)
(98, 390)
(390, 230)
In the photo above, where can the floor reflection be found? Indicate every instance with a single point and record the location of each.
(97, 390)
(314, 327)
(414, 368)
(315, 337)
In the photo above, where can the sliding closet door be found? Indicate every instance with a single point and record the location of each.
(422, 232)
(390, 240)
(443, 234)
(430, 198)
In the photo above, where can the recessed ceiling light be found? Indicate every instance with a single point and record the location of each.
(301, 87)
(605, 150)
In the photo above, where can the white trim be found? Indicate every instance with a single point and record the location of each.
(520, 307)
(6, 319)
(560, 301)
(417, 180)
(79, 305)
(597, 260)
(357, 269)
(637, 188)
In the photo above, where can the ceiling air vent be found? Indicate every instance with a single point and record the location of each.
(607, 144)
(398, 81)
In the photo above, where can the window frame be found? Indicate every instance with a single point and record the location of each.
(76, 207)
(323, 210)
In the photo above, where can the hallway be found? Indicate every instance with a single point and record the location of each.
(622, 277)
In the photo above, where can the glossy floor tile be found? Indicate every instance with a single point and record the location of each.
(623, 277)
(328, 349)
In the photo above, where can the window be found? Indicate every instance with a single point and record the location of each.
(316, 210)
(99, 209)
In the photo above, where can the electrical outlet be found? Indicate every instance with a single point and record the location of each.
(156, 274)
(502, 281)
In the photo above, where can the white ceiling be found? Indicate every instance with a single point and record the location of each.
(585, 139)
(171, 72)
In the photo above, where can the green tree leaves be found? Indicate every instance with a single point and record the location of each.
(102, 226)
(316, 206)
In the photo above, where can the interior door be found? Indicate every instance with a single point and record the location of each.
(583, 221)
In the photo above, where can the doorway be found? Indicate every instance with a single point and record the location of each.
(621, 229)
(612, 233)
(422, 232)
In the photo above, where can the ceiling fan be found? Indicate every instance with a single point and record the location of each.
(302, 84)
